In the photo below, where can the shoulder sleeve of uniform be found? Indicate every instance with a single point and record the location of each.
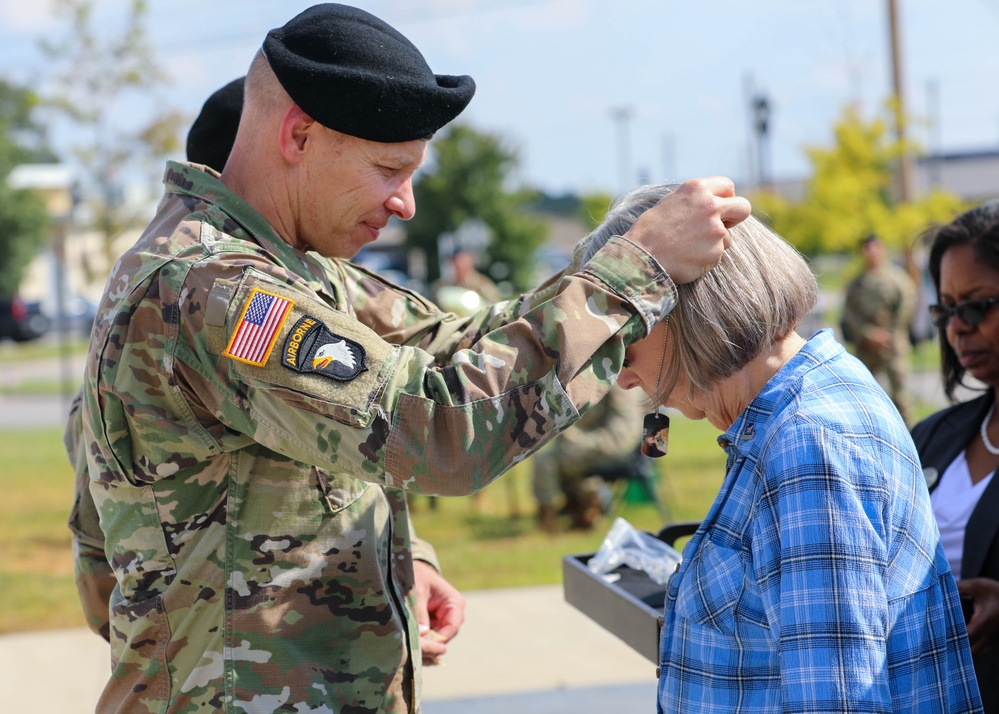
(277, 339)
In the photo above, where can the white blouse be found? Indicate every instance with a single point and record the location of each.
(953, 501)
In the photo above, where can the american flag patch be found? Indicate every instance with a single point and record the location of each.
(258, 327)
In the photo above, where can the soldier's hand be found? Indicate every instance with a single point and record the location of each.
(440, 611)
(687, 231)
(878, 339)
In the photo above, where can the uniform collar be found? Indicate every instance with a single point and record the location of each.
(184, 179)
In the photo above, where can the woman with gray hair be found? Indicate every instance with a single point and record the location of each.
(816, 582)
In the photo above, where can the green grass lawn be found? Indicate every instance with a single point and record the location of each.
(36, 566)
(491, 542)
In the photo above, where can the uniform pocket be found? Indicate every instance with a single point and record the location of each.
(338, 491)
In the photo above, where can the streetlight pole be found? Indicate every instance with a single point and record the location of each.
(761, 125)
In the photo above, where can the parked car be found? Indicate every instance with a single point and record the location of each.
(20, 320)
(76, 317)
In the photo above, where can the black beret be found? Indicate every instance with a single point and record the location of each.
(214, 131)
(357, 75)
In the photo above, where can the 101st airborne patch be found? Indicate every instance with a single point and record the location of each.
(312, 347)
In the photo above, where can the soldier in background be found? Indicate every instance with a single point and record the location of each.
(568, 471)
(464, 274)
(877, 312)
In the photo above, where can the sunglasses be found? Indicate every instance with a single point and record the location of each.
(971, 312)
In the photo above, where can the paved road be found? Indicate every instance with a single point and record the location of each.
(30, 412)
(521, 650)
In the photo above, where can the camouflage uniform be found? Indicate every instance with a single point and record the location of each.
(883, 298)
(251, 490)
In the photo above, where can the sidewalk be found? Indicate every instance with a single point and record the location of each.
(520, 650)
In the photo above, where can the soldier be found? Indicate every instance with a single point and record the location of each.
(466, 277)
(255, 407)
(209, 142)
(876, 315)
(604, 441)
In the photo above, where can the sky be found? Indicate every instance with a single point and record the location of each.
(599, 95)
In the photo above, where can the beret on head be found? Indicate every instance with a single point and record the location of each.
(357, 75)
(214, 131)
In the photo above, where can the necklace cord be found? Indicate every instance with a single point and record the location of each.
(662, 360)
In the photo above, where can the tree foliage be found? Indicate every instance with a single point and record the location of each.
(95, 72)
(849, 194)
(593, 209)
(468, 178)
(23, 219)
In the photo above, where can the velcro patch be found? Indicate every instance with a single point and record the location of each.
(258, 327)
(312, 347)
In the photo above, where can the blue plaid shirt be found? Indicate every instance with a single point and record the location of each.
(817, 582)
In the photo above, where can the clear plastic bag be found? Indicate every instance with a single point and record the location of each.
(625, 545)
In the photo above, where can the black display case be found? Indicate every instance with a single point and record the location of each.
(629, 604)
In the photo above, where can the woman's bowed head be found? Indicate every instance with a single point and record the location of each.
(732, 328)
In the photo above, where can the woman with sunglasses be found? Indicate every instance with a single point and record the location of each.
(959, 446)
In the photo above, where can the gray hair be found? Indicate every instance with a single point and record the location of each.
(753, 299)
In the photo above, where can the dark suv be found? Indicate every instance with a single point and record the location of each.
(21, 321)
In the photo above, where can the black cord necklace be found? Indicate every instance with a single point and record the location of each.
(655, 427)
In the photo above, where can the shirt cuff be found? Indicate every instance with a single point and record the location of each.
(634, 274)
(422, 550)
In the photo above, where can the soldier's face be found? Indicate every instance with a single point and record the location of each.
(964, 277)
(351, 187)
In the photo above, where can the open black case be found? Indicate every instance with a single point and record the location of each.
(631, 607)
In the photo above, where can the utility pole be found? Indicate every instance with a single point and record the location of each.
(761, 126)
(936, 148)
(669, 158)
(622, 115)
(906, 163)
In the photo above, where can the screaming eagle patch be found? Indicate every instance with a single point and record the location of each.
(311, 347)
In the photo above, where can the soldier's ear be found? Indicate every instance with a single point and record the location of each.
(295, 132)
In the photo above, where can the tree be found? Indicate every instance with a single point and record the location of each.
(468, 179)
(96, 71)
(849, 194)
(23, 218)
